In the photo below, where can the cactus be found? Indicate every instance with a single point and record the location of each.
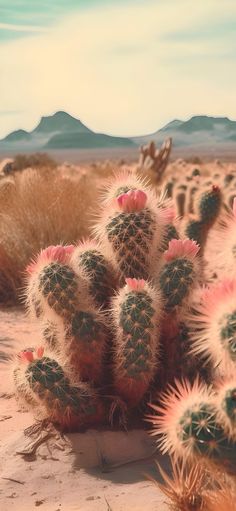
(225, 401)
(209, 205)
(117, 314)
(64, 292)
(98, 270)
(208, 209)
(179, 196)
(213, 326)
(190, 426)
(51, 332)
(68, 405)
(223, 245)
(131, 230)
(136, 311)
(122, 183)
(23, 392)
(85, 343)
(170, 231)
(53, 282)
(195, 231)
(179, 272)
(154, 159)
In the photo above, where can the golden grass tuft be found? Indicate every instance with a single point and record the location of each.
(40, 208)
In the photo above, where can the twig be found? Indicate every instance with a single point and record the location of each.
(13, 480)
(108, 505)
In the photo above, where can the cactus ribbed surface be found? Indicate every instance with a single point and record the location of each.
(200, 429)
(195, 231)
(136, 340)
(228, 334)
(68, 405)
(130, 235)
(99, 272)
(85, 343)
(209, 205)
(175, 280)
(58, 285)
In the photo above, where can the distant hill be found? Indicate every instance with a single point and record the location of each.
(204, 123)
(198, 130)
(63, 131)
(17, 136)
(86, 141)
(60, 122)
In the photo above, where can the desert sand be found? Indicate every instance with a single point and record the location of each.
(95, 470)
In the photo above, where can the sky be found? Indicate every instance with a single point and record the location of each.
(123, 67)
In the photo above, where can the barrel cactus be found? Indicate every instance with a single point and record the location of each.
(190, 427)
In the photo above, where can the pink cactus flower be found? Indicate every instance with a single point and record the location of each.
(30, 356)
(57, 253)
(181, 248)
(135, 284)
(134, 200)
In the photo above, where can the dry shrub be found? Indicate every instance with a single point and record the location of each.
(34, 160)
(41, 209)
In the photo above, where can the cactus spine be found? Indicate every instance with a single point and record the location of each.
(179, 272)
(64, 292)
(98, 271)
(208, 209)
(136, 312)
(191, 428)
(131, 231)
(71, 406)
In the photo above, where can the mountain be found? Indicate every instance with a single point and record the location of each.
(60, 122)
(17, 136)
(199, 130)
(87, 141)
(63, 131)
(205, 123)
(171, 125)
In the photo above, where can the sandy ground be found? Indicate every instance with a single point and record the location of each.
(96, 470)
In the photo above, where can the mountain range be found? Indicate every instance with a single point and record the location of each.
(62, 131)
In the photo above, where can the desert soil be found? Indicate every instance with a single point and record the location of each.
(95, 470)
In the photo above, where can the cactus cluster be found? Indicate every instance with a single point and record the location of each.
(102, 307)
(197, 420)
(124, 314)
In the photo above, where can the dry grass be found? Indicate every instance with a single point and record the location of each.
(34, 160)
(185, 488)
(194, 488)
(39, 208)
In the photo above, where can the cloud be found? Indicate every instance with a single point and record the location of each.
(11, 112)
(115, 68)
(22, 28)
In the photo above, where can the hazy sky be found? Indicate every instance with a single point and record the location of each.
(124, 67)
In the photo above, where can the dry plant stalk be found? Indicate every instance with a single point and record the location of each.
(185, 489)
(155, 159)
